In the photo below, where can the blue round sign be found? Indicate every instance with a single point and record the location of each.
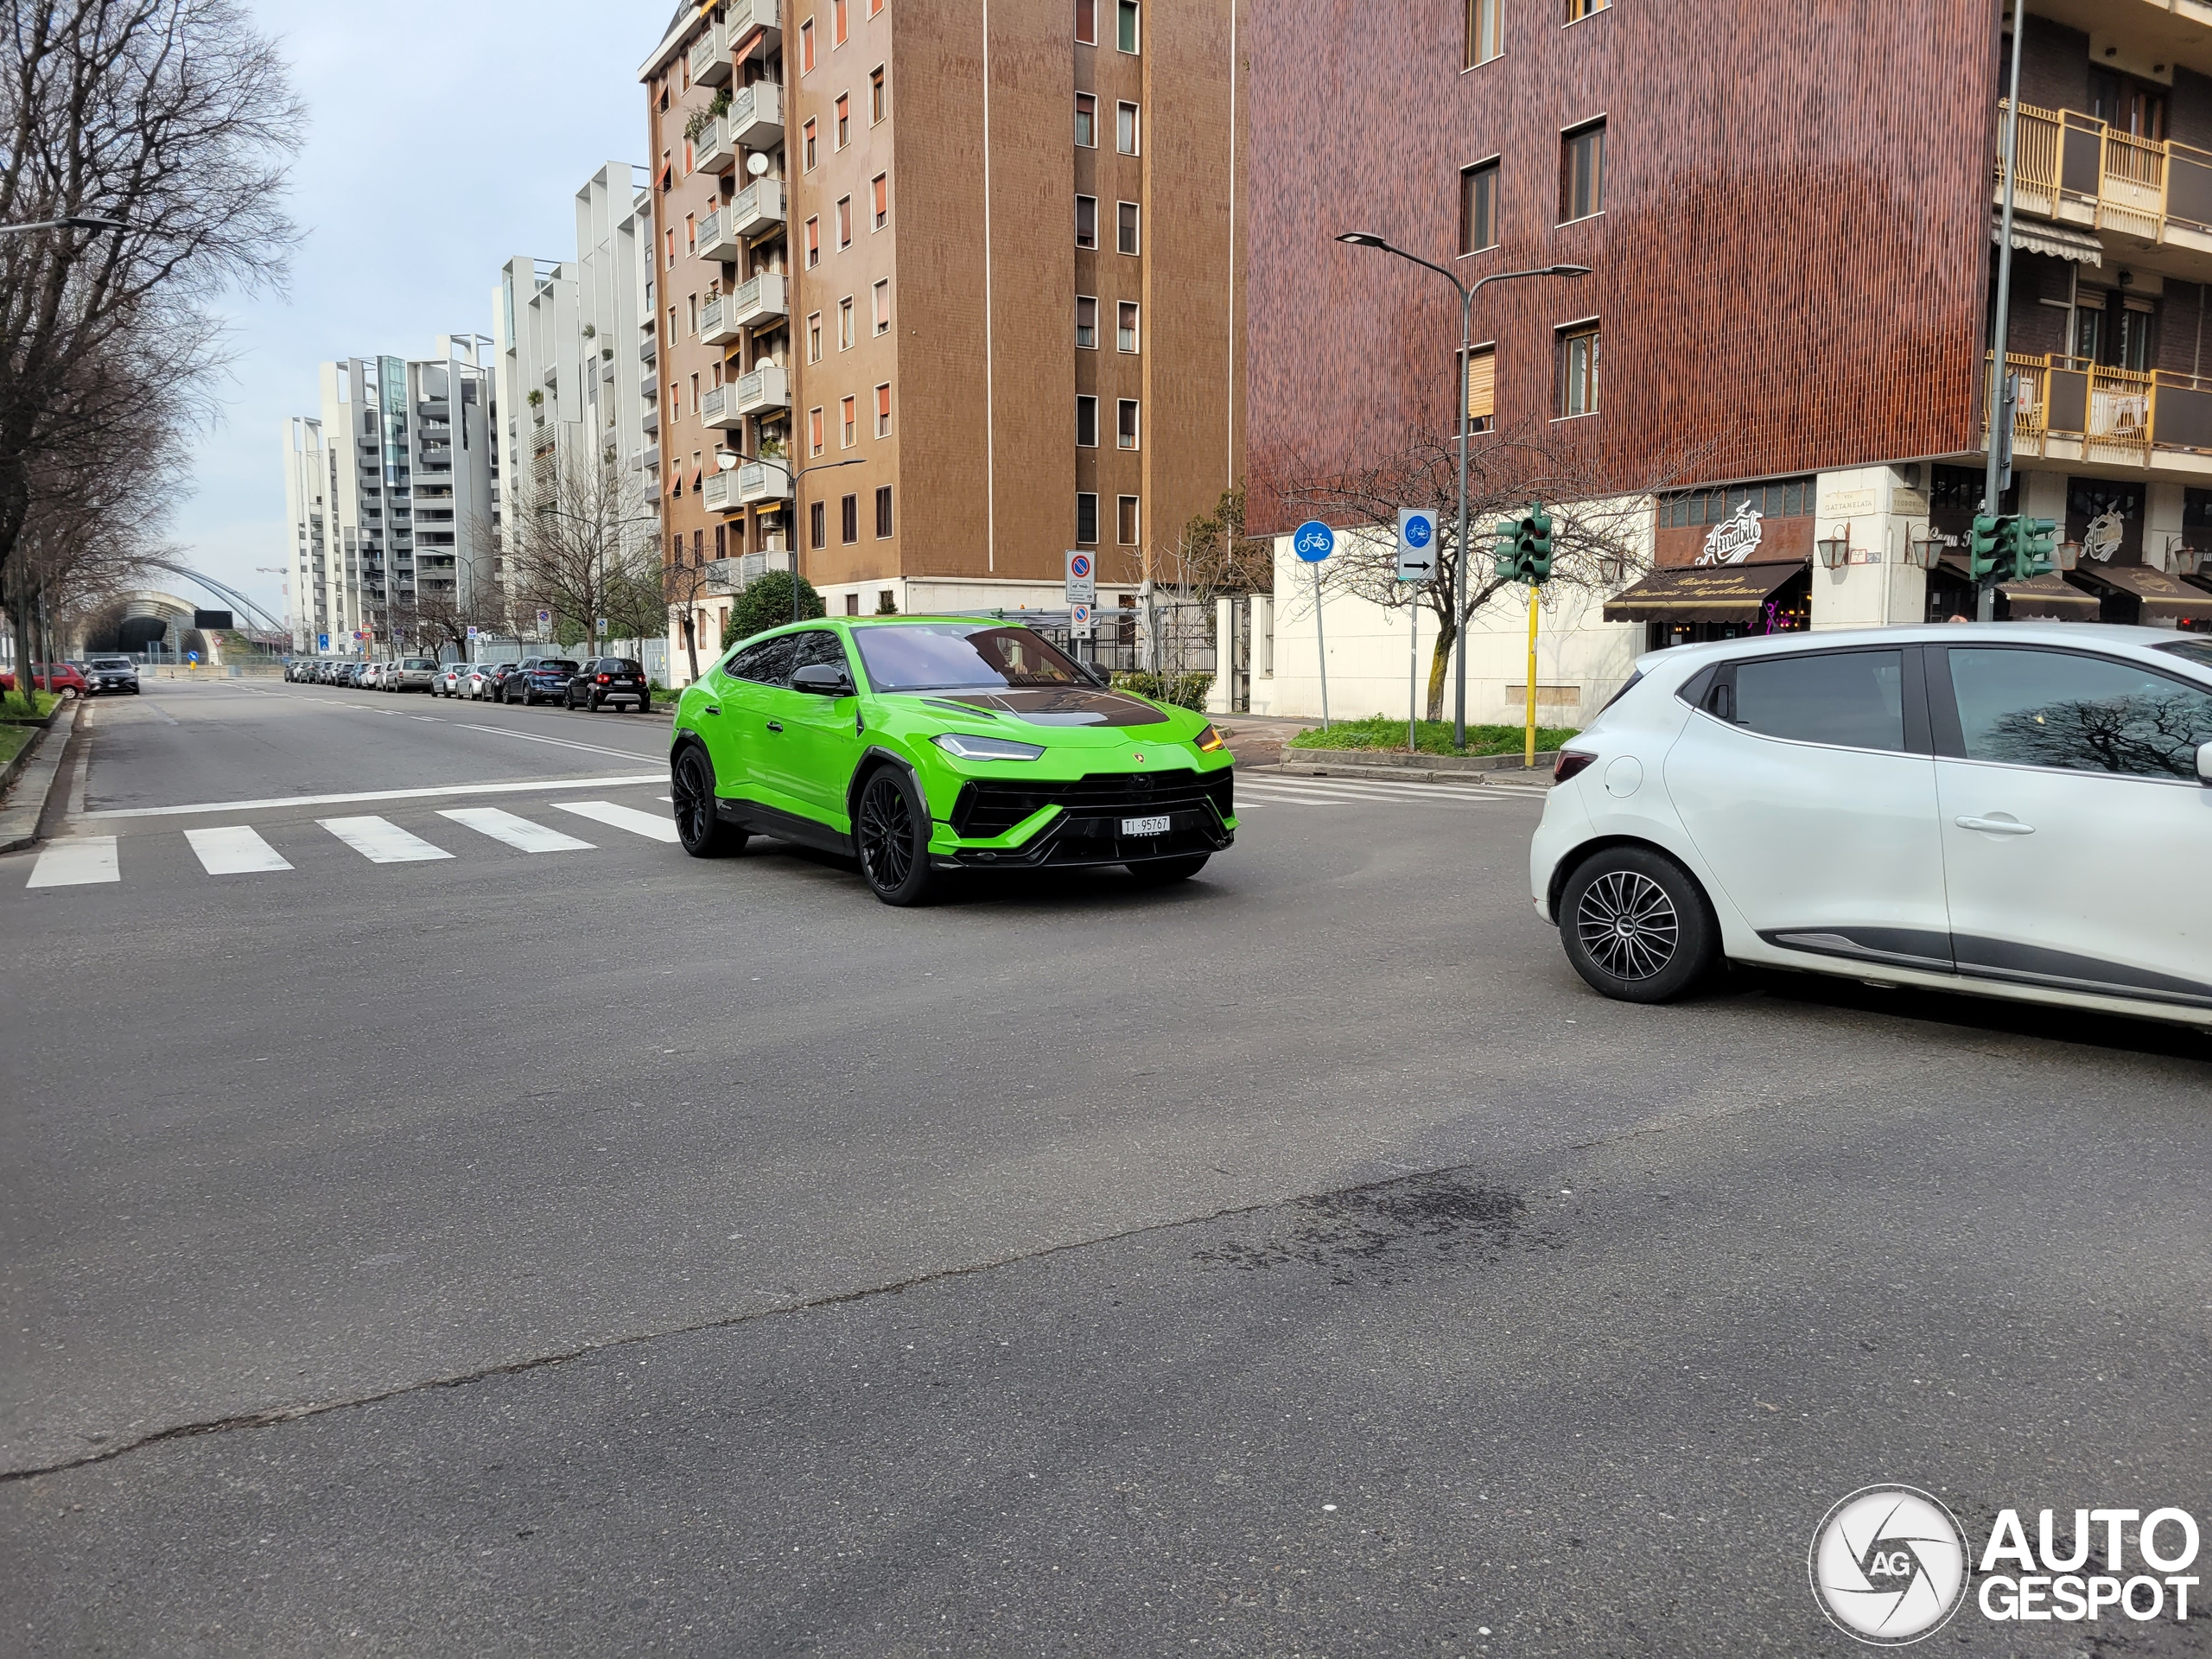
(1419, 531)
(1313, 541)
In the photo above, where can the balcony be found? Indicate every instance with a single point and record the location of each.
(710, 63)
(649, 347)
(2074, 168)
(760, 302)
(650, 421)
(649, 385)
(758, 483)
(745, 19)
(762, 390)
(717, 494)
(717, 323)
(756, 116)
(648, 459)
(712, 151)
(718, 408)
(759, 209)
(2071, 409)
(716, 240)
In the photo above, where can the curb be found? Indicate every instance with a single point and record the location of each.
(1398, 758)
(1458, 774)
(39, 767)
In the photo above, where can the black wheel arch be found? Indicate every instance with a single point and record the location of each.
(1564, 871)
(875, 758)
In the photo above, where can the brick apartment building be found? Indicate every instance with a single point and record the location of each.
(1789, 215)
(991, 255)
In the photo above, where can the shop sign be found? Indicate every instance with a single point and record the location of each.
(1734, 539)
(2102, 539)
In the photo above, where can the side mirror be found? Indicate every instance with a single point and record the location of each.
(1097, 676)
(822, 680)
(2204, 765)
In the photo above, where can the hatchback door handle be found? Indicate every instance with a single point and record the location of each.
(775, 725)
(1996, 826)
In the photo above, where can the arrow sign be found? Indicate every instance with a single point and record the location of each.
(1416, 544)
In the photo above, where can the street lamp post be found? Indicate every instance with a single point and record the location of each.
(1466, 292)
(726, 459)
(74, 222)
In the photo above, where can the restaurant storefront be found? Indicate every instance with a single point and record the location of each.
(1729, 562)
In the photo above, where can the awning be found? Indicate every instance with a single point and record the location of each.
(1703, 592)
(2165, 598)
(2059, 241)
(2049, 596)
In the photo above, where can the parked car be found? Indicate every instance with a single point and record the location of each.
(617, 682)
(476, 684)
(356, 675)
(540, 679)
(496, 686)
(922, 746)
(413, 674)
(450, 675)
(326, 671)
(1939, 808)
(51, 676)
(112, 674)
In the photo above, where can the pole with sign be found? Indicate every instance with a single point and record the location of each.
(1082, 588)
(1416, 562)
(1313, 541)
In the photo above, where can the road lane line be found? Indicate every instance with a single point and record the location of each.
(559, 742)
(75, 862)
(233, 849)
(622, 818)
(275, 801)
(516, 832)
(382, 841)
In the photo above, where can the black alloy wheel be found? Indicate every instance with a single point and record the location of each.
(1636, 927)
(1160, 871)
(591, 702)
(699, 824)
(891, 832)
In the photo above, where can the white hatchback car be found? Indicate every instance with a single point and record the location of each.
(2015, 810)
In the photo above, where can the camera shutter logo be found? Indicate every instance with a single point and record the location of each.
(1889, 1565)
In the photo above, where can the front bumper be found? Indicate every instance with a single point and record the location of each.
(1079, 821)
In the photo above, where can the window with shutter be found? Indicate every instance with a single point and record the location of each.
(1482, 388)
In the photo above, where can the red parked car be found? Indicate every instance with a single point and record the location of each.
(51, 676)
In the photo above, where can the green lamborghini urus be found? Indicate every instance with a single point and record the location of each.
(923, 745)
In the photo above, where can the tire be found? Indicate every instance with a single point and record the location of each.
(1636, 925)
(699, 826)
(591, 702)
(1160, 871)
(891, 833)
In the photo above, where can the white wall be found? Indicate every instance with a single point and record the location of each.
(1878, 507)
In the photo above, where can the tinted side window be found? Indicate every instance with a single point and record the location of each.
(818, 645)
(768, 663)
(2084, 714)
(1852, 698)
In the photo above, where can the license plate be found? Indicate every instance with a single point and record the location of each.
(1144, 826)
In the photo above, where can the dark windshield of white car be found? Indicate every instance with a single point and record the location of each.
(961, 657)
(2192, 650)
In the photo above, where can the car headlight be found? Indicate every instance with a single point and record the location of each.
(970, 747)
(1211, 739)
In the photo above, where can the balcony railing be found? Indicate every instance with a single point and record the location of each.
(2073, 410)
(2077, 169)
(758, 208)
(757, 481)
(759, 301)
(756, 116)
(765, 388)
(649, 459)
(710, 62)
(745, 18)
(712, 150)
(716, 240)
(717, 323)
(714, 494)
(718, 409)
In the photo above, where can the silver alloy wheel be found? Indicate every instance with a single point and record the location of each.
(1628, 925)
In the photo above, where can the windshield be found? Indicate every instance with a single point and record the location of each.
(110, 661)
(2192, 650)
(960, 655)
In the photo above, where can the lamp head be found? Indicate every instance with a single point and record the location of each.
(725, 460)
(1363, 239)
(1568, 271)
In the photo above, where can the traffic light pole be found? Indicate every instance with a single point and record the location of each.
(1986, 599)
(1528, 751)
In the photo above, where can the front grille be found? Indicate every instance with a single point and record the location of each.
(991, 806)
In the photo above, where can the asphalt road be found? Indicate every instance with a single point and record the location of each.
(596, 1251)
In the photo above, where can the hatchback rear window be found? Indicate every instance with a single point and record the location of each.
(618, 665)
(422, 662)
(557, 667)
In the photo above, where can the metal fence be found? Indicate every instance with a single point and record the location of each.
(1170, 637)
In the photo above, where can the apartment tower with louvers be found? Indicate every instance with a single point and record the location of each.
(989, 254)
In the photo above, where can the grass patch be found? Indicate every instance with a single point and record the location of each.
(12, 706)
(13, 736)
(1434, 737)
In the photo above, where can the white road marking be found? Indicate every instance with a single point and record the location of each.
(233, 849)
(377, 795)
(516, 832)
(1452, 799)
(75, 862)
(557, 742)
(382, 841)
(622, 818)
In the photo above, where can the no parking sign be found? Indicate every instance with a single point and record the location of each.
(1082, 578)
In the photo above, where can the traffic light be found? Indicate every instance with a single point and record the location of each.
(1536, 532)
(2034, 547)
(1982, 547)
(1507, 565)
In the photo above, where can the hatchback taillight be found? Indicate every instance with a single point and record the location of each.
(1570, 762)
(603, 679)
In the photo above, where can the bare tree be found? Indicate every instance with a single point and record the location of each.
(682, 586)
(169, 122)
(1599, 536)
(581, 546)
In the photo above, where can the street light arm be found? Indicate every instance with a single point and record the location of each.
(1542, 270)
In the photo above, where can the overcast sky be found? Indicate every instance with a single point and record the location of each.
(444, 136)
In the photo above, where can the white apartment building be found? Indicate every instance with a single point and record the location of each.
(573, 384)
(394, 498)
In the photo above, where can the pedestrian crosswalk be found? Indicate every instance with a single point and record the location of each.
(241, 849)
(1272, 789)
